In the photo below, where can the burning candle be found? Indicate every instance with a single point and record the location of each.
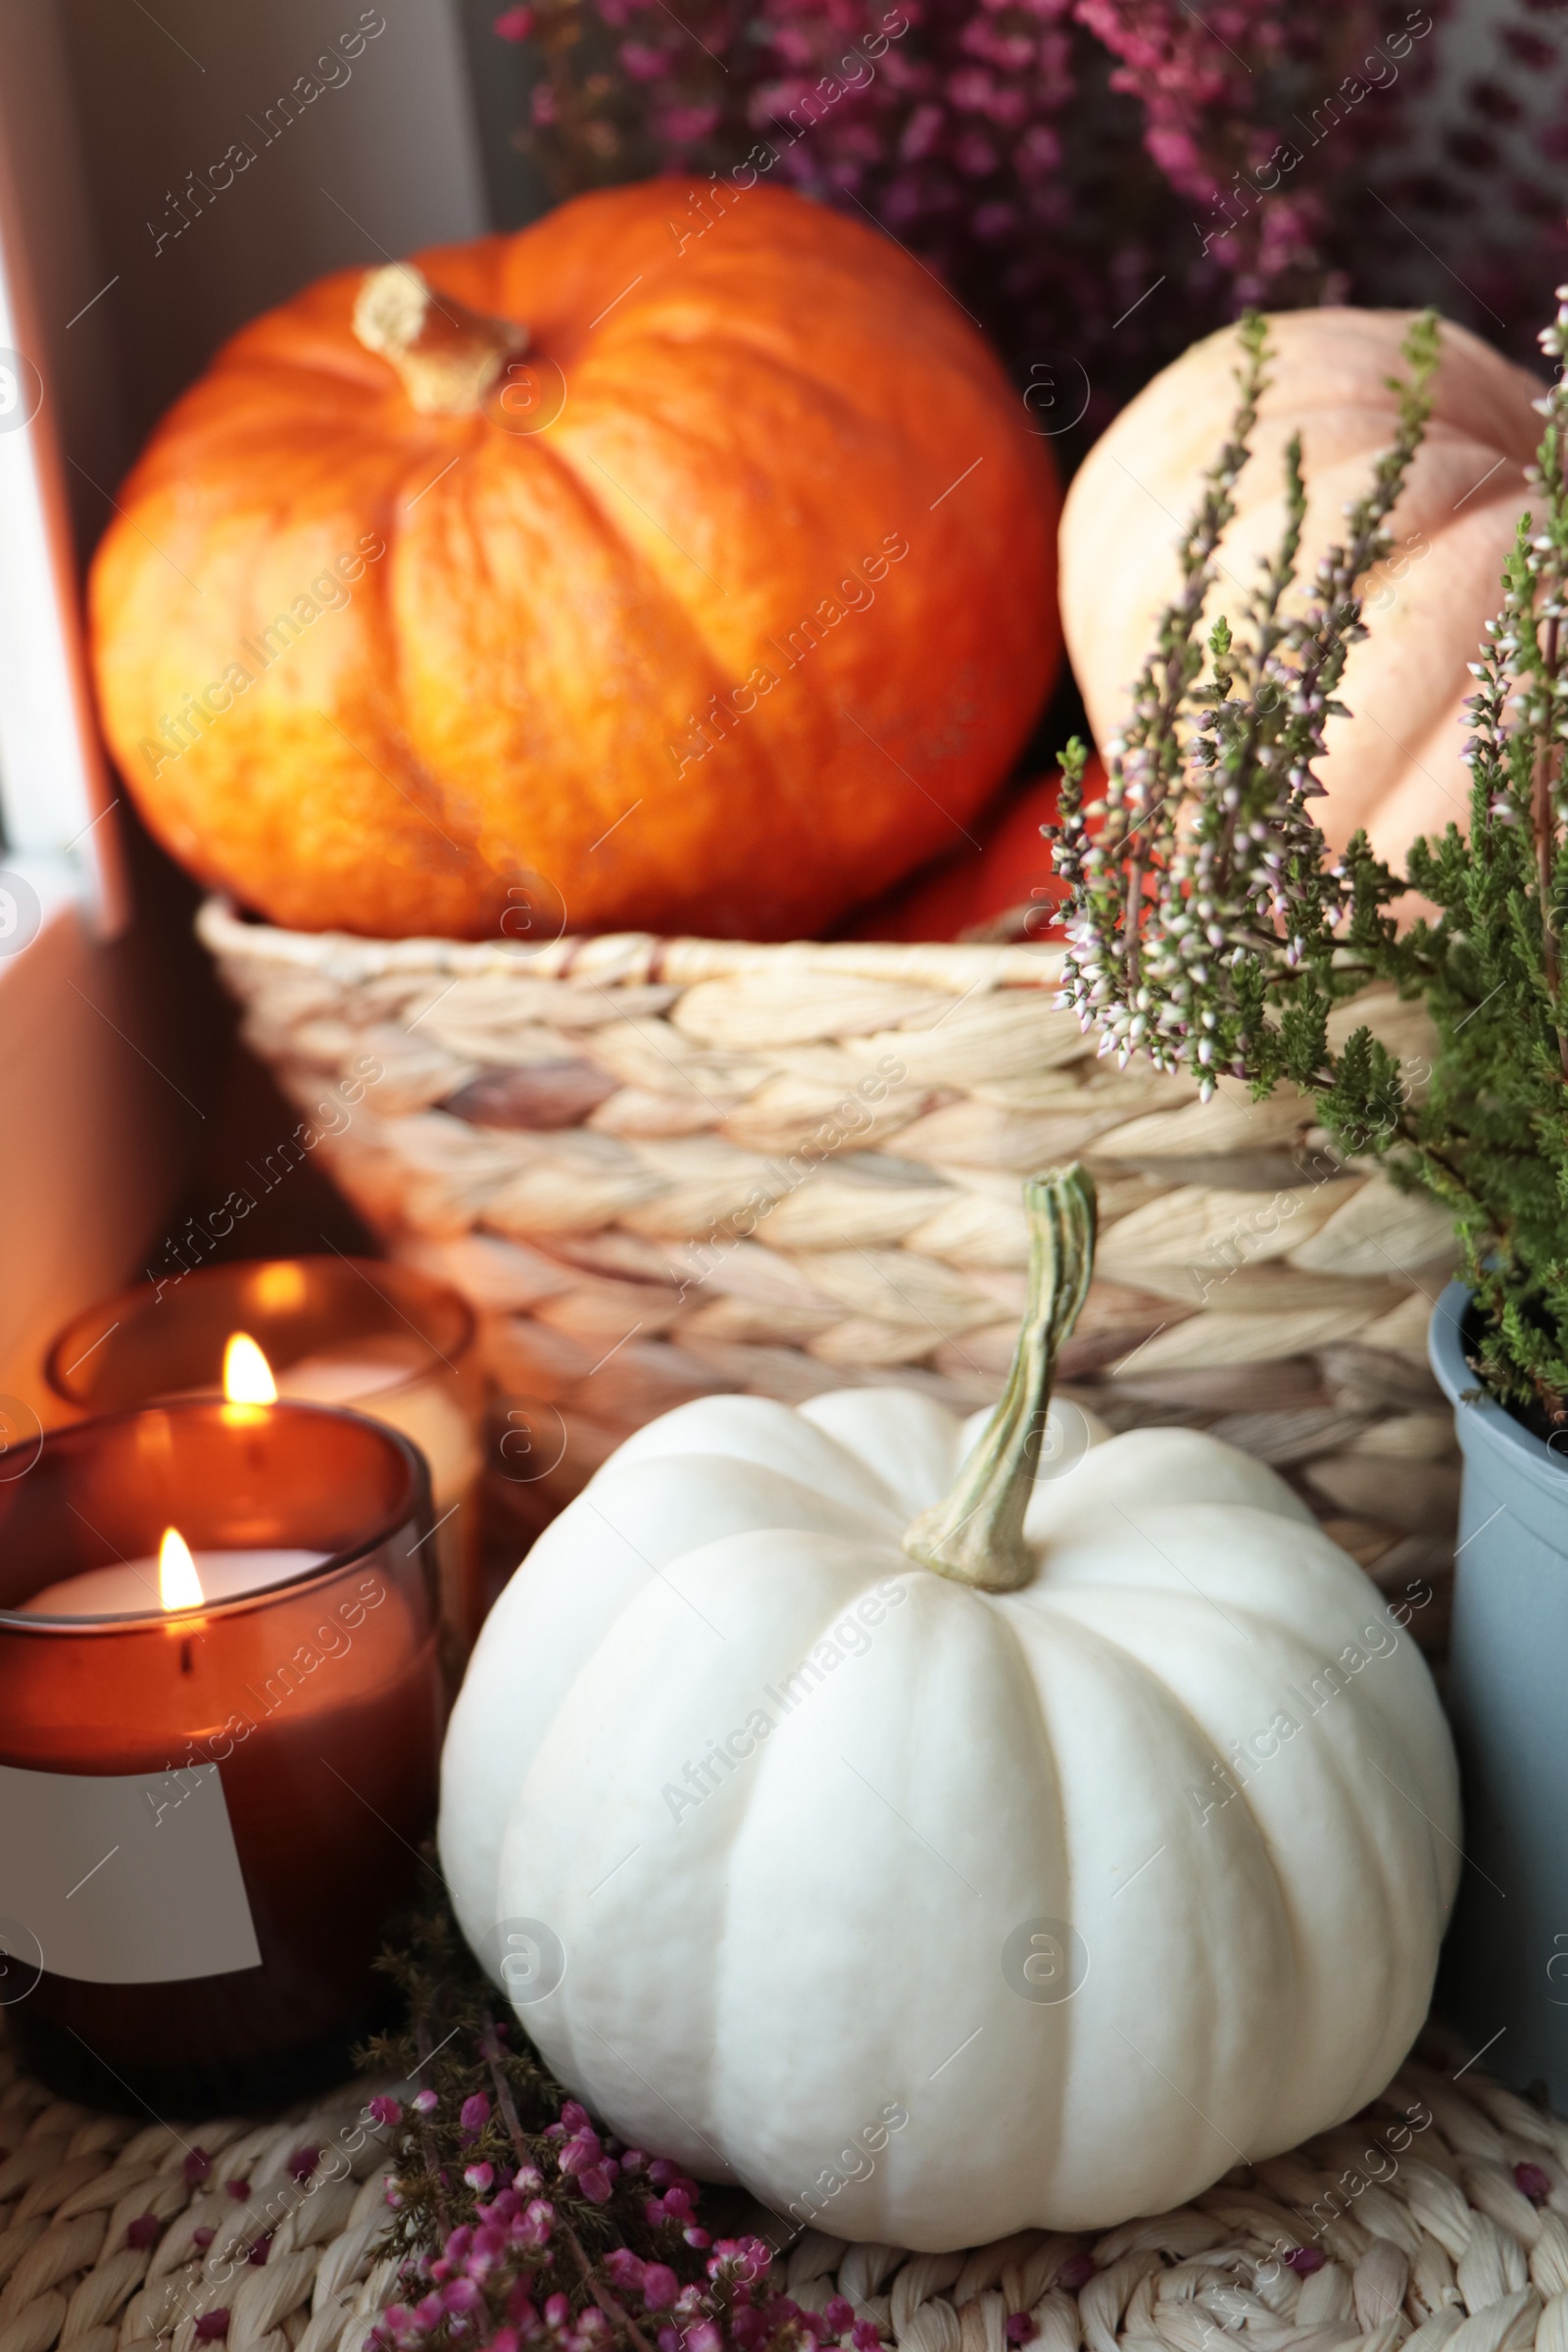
(219, 1724)
(177, 1579)
(336, 1331)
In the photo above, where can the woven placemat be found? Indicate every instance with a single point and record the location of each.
(1438, 2218)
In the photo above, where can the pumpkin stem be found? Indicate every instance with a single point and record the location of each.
(447, 355)
(977, 1535)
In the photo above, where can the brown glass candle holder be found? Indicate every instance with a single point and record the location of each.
(208, 1810)
(365, 1333)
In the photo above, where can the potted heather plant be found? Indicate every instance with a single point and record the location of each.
(1214, 931)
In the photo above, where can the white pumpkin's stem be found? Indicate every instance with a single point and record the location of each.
(977, 1535)
(447, 356)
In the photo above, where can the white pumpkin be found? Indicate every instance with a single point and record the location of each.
(929, 1911)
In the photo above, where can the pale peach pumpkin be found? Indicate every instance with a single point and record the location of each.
(709, 577)
(1394, 766)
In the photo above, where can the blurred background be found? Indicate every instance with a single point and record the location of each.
(1086, 175)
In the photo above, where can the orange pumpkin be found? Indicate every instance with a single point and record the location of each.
(625, 572)
(1003, 865)
(1396, 766)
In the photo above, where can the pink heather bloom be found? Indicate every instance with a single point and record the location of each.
(239, 2190)
(1304, 2260)
(1022, 2327)
(644, 64)
(303, 2163)
(659, 2286)
(684, 125)
(866, 2335)
(1531, 2182)
(515, 24)
(558, 2311)
(533, 2228)
(706, 2336)
(480, 2176)
(197, 2166)
(840, 2313)
(211, 2326)
(474, 2114)
(504, 2339)
(581, 2150)
(382, 2110)
(425, 2102)
(697, 2237)
(459, 2294)
(202, 2238)
(144, 2231)
(528, 2180)
(1076, 2271)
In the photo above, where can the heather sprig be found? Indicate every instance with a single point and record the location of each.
(1212, 929)
(520, 2223)
(1205, 896)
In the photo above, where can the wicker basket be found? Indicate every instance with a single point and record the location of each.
(664, 1167)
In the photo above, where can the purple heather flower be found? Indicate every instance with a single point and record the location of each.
(659, 2286)
(211, 2326)
(382, 2110)
(1076, 2271)
(425, 2102)
(144, 2231)
(474, 2114)
(1022, 2327)
(1531, 2182)
(1304, 2260)
(197, 2166)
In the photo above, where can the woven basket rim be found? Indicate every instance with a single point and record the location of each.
(630, 957)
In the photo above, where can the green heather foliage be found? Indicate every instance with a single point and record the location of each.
(1211, 928)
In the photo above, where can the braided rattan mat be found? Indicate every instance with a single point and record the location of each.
(1440, 2218)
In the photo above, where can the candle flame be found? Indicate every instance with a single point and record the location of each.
(247, 1374)
(178, 1584)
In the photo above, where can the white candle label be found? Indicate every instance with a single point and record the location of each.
(124, 1878)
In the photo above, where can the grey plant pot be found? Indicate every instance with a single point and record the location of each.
(1504, 1981)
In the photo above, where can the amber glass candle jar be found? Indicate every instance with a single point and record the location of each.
(210, 1805)
(365, 1333)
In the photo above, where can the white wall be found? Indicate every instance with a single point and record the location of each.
(106, 106)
